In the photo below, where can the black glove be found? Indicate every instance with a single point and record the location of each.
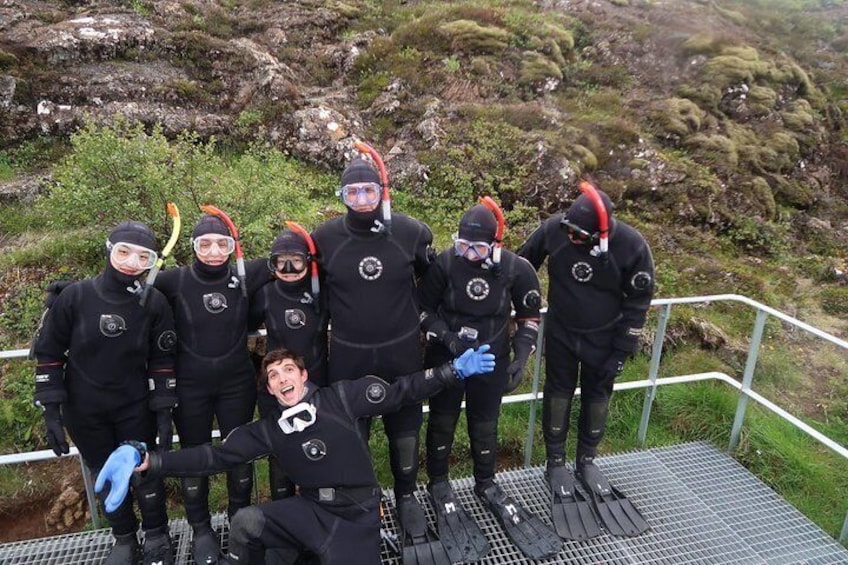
(164, 434)
(456, 345)
(523, 346)
(515, 371)
(56, 439)
(614, 364)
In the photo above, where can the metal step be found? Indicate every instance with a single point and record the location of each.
(703, 507)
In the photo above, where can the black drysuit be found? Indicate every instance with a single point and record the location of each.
(291, 321)
(371, 295)
(597, 308)
(110, 363)
(217, 379)
(335, 515)
(461, 293)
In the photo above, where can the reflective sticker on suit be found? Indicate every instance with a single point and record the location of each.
(167, 340)
(295, 318)
(214, 302)
(370, 268)
(641, 280)
(477, 289)
(375, 393)
(314, 449)
(112, 325)
(582, 271)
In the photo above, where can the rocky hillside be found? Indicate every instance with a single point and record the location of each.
(713, 124)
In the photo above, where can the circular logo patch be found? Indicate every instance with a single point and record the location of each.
(214, 302)
(167, 340)
(532, 299)
(477, 289)
(314, 449)
(112, 325)
(375, 393)
(582, 271)
(641, 280)
(295, 318)
(370, 268)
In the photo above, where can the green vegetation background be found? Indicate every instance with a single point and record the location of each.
(105, 174)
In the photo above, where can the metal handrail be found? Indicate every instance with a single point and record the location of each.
(651, 384)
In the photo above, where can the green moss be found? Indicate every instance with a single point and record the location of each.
(676, 117)
(7, 60)
(792, 192)
(702, 44)
(744, 52)
(704, 95)
(536, 68)
(761, 99)
(798, 116)
(620, 2)
(468, 35)
(370, 88)
(834, 300)
(729, 70)
(715, 150)
(588, 161)
(759, 193)
(735, 17)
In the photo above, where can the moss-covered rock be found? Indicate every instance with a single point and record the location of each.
(761, 100)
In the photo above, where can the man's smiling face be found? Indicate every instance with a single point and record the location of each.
(286, 381)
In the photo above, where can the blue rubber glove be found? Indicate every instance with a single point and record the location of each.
(474, 362)
(117, 471)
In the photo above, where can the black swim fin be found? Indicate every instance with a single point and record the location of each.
(571, 512)
(527, 532)
(618, 514)
(462, 537)
(420, 545)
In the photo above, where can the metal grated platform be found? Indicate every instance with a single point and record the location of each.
(702, 505)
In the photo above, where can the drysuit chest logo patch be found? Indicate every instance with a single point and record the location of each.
(314, 449)
(112, 325)
(370, 268)
(477, 289)
(582, 271)
(214, 302)
(295, 318)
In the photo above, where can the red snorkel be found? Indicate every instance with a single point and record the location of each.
(489, 203)
(298, 229)
(386, 204)
(209, 209)
(591, 191)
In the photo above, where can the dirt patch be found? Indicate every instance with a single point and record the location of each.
(43, 499)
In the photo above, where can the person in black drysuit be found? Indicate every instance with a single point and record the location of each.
(335, 514)
(371, 292)
(294, 321)
(466, 300)
(217, 379)
(597, 309)
(105, 370)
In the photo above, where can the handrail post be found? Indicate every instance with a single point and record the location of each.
(843, 537)
(653, 371)
(537, 368)
(89, 494)
(747, 378)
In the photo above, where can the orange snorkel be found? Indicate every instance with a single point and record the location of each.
(589, 189)
(240, 271)
(386, 204)
(298, 229)
(489, 203)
